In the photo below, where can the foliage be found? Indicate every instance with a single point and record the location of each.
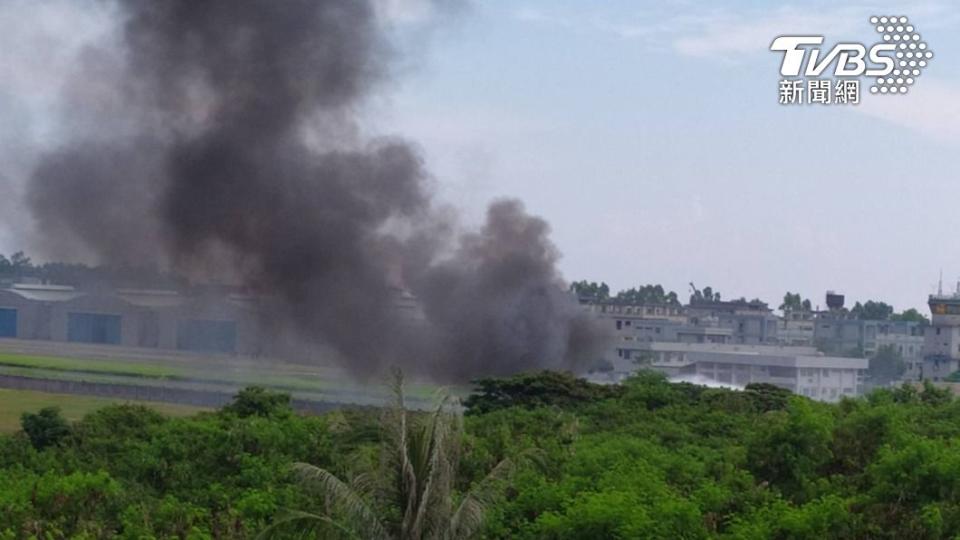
(413, 489)
(767, 397)
(705, 295)
(647, 294)
(45, 428)
(871, 311)
(19, 266)
(911, 315)
(592, 291)
(645, 459)
(540, 389)
(793, 302)
(258, 401)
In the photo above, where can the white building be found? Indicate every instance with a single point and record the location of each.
(801, 370)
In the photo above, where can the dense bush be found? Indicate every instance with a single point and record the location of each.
(646, 459)
(45, 428)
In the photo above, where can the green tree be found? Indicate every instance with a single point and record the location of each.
(20, 264)
(767, 397)
(647, 294)
(701, 296)
(790, 446)
(45, 428)
(794, 302)
(871, 311)
(911, 315)
(538, 389)
(258, 401)
(413, 495)
(592, 291)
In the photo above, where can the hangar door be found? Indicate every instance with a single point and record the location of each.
(207, 336)
(8, 322)
(93, 328)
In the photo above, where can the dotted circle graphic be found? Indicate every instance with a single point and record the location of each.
(911, 56)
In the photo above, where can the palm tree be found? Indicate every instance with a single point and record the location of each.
(414, 485)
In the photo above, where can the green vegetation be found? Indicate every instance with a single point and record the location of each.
(794, 302)
(19, 265)
(411, 493)
(645, 294)
(81, 365)
(13, 403)
(707, 294)
(309, 382)
(598, 292)
(911, 315)
(645, 459)
(45, 428)
(881, 311)
(871, 311)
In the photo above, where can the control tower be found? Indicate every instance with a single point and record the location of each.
(941, 347)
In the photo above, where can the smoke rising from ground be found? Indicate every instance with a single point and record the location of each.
(231, 150)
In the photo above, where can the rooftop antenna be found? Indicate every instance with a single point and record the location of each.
(940, 285)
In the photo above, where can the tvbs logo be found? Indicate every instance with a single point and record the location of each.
(849, 58)
(895, 62)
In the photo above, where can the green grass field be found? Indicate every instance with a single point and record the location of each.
(13, 403)
(113, 367)
(304, 381)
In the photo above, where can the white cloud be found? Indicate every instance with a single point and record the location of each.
(726, 36)
(932, 108)
(701, 29)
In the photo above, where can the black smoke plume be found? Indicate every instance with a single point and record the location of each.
(235, 155)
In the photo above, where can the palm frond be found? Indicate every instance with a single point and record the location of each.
(397, 435)
(436, 470)
(469, 516)
(344, 499)
(308, 525)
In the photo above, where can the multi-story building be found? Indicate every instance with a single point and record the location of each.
(796, 328)
(854, 337)
(738, 322)
(941, 348)
(750, 322)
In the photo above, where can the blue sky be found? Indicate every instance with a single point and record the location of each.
(647, 133)
(650, 136)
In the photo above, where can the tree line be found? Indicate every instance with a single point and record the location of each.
(538, 455)
(19, 267)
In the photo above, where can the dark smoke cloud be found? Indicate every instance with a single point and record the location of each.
(218, 175)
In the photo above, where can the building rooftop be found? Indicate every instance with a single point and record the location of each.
(45, 293)
(728, 348)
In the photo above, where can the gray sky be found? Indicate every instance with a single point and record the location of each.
(647, 133)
